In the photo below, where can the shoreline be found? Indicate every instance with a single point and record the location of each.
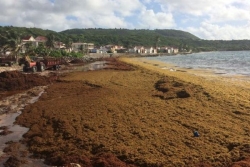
(214, 70)
(143, 115)
(170, 69)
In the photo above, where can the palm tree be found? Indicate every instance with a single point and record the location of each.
(16, 45)
(5, 49)
(50, 44)
(4, 44)
(50, 41)
(81, 48)
(28, 46)
(13, 43)
(157, 40)
(68, 44)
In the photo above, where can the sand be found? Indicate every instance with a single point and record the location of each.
(140, 115)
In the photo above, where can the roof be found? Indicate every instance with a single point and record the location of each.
(27, 37)
(41, 38)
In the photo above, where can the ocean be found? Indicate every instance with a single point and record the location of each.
(229, 63)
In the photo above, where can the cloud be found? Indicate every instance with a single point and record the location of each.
(225, 32)
(53, 15)
(105, 7)
(160, 20)
(228, 13)
(98, 13)
(146, 1)
(219, 11)
(194, 7)
(223, 19)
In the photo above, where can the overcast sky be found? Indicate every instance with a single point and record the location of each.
(220, 19)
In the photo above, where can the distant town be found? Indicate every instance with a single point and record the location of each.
(81, 47)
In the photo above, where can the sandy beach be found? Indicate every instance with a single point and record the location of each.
(140, 113)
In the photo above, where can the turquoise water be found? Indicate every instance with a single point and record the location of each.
(224, 63)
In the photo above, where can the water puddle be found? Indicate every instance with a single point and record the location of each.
(10, 109)
(98, 65)
(7, 120)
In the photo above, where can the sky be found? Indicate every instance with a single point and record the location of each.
(211, 20)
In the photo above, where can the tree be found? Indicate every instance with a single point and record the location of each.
(68, 43)
(127, 44)
(84, 49)
(4, 44)
(41, 50)
(28, 46)
(157, 40)
(14, 43)
(50, 41)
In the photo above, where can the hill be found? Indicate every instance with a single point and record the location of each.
(23, 31)
(129, 38)
(126, 32)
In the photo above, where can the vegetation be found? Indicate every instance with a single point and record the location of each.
(10, 40)
(128, 38)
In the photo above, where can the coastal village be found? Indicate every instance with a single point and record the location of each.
(91, 48)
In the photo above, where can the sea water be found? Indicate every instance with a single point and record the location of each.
(224, 62)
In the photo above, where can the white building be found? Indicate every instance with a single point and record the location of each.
(79, 46)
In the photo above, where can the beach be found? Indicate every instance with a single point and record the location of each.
(136, 112)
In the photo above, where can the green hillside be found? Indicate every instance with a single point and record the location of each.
(23, 31)
(129, 38)
(176, 34)
(127, 32)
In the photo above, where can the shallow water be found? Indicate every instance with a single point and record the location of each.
(98, 65)
(228, 63)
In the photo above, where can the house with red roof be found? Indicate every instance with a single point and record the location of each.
(27, 41)
(41, 39)
(29, 38)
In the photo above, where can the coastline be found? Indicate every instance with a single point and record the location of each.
(170, 69)
(143, 114)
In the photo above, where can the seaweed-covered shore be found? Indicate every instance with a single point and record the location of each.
(137, 114)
